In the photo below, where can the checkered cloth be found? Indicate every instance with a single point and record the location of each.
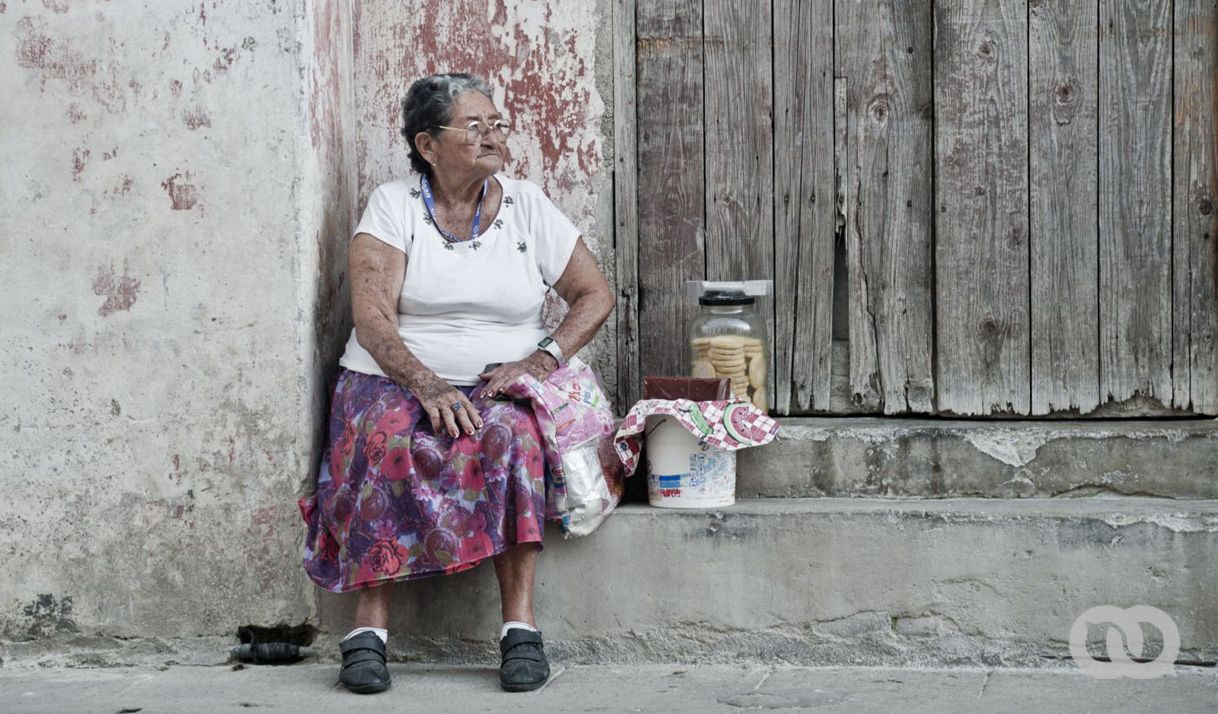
(723, 425)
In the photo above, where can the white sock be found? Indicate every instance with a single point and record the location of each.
(381, 632)
(513, 624)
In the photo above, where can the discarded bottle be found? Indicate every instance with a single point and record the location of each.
(269, 652)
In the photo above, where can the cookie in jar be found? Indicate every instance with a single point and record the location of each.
(728, 340)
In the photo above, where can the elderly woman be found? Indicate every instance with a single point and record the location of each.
(426, 472)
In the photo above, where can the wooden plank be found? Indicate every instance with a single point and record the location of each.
(804, 211)
(625, 205)
(1135, 199)
(1195, 220)
(740, 148)
(981, 254)
(884, 54)
(1063, 95)
(671, 199)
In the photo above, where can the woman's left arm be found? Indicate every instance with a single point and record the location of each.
(584, 287)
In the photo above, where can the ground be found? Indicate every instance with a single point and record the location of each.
(313, 686)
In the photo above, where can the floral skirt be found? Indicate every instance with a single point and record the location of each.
(394, 501)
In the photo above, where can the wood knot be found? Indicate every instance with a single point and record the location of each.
(879, 108)
(991, 329)
(985, 50)
(1065, 93)
(1205, 206)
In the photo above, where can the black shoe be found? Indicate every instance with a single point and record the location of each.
(364, 670)
(524, 666)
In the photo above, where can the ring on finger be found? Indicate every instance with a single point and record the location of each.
(457, 406)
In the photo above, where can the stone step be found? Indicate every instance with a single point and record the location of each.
(944, 458)
(838, 581)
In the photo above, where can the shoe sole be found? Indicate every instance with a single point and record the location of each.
(522, 687)
(367, 689)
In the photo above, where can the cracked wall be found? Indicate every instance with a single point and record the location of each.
(181, 181)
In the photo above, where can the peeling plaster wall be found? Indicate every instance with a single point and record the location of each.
(168, 286)
(551, 66)
(179, 184)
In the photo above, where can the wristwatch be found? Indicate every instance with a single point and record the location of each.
(549, 345)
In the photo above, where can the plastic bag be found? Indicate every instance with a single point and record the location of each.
(577, 427)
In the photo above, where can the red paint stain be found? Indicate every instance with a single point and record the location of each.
(80, 157)
(263, 516)
(124, 186)
(183, 196)
(175, 88)
(177, 462)
(202, 14)
(195, 119)
(325, 125)
(111, 95)
(3, 7)
(55, 6)
(226, 59)
(76, 114)
(135, 86)
(548, 103)
(109, 155)
(120, 291)
(55, 61)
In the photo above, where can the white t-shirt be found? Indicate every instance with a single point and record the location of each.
(462, 309)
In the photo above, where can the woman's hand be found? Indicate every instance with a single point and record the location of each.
(539, 364)
(445, 405)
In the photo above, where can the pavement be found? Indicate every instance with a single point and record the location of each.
(313, 687)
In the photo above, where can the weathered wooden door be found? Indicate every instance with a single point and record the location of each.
(968, 207)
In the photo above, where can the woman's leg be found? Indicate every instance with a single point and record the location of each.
(523, 666)
(364, 670)
(515, 568)
(372, 608)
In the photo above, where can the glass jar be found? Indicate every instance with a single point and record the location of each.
(727, 338)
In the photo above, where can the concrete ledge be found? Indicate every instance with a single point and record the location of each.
(839, 581)
(942, 458)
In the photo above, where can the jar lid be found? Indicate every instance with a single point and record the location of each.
(725, 297)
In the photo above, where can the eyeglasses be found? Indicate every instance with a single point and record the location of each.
(475, 130)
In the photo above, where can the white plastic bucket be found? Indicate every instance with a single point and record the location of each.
(684, 474)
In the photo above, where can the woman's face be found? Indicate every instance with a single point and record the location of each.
(451, 151)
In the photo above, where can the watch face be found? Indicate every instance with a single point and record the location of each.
(546, 342)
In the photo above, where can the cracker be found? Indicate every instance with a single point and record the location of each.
(702, 368)
(727, 342)
(756, 372)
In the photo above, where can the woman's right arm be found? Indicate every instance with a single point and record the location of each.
(377, 271)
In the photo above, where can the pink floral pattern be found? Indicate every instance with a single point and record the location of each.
(396, 502)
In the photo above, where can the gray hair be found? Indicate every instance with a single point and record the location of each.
(429, 103)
